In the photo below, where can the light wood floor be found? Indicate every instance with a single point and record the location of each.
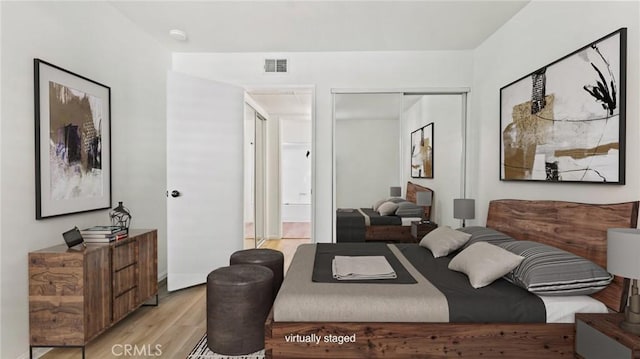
(287, 247)
(290, 230)
(176, 324)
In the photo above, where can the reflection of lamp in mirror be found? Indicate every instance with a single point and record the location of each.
(623, 250)
(395, 191)
(464, 208)
(423, 199)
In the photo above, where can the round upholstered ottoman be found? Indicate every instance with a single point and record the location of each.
(239, 299)
(269, 258)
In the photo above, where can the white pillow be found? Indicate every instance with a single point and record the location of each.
(483, 263)
(444, 240)
(377, 204)
(387, 208)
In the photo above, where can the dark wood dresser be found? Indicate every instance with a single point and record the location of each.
(77, 293)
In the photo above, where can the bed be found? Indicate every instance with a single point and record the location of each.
(574, 227)
(351, 225)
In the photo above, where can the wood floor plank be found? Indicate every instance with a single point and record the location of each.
(175, 325)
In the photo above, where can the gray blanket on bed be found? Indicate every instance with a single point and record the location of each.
(441, 295)
(500, 301)
(351, 224)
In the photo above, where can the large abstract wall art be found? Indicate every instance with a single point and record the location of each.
(422, 152)
(566, 121)
(73, 144)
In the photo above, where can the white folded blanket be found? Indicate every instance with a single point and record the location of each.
(362, 267)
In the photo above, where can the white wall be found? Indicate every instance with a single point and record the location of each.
(367, 160)
(94, 40)
(445, 111)
(273, 178)
(295, 140)
(329, 70)
(539, 34)
(249, 158)
(295, 129)
(1, 221)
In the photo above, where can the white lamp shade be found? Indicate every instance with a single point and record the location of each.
(464, 208)
(395, 191)
(623, 252)
(423, 198)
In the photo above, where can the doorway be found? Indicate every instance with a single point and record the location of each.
(286, 155)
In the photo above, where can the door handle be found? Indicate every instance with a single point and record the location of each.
(175, 193)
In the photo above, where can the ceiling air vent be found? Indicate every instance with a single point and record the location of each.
(275, 65)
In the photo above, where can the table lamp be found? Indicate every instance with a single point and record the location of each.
(423, 199)
(395, 191)
(464, 208)
(623, 259)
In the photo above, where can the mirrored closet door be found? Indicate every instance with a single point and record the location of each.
(255, 178)
(373, 147)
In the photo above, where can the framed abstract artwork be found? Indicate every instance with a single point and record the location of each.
(73, 142)
(566, 121)
(422, 152)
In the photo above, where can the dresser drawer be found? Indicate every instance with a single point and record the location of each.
(124, 303)
(125, 279)
(124, 255)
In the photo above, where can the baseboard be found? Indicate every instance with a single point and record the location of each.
(162, 276)
(274, 237)
(37, 353)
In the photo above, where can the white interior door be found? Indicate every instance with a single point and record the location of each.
(204, 177)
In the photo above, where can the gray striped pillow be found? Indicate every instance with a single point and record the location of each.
(409, 209)
(484, 234)
(548, 270)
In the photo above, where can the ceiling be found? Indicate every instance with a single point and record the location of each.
(310, 26)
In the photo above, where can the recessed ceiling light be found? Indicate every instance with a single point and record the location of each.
(178, 34)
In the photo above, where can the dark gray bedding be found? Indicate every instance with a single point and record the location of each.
(378, 220)
(325, 252)
(500, 301)
(351, 224)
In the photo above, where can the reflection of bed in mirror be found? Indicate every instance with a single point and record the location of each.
(577, 228)
(366, 224)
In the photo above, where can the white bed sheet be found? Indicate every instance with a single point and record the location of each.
(563, 309)
(406, 221)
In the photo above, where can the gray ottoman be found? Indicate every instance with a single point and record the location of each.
(269, 258)
(239, 299)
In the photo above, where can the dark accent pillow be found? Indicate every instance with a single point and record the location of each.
(547, 270)
(484, 234)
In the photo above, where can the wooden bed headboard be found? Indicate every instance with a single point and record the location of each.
(578, 228)
(412, 189)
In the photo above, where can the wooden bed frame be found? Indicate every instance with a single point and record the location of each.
(399, 233)
(575, 227)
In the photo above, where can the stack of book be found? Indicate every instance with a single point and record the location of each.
(103, 234)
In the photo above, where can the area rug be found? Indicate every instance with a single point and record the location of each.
(202, 351)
